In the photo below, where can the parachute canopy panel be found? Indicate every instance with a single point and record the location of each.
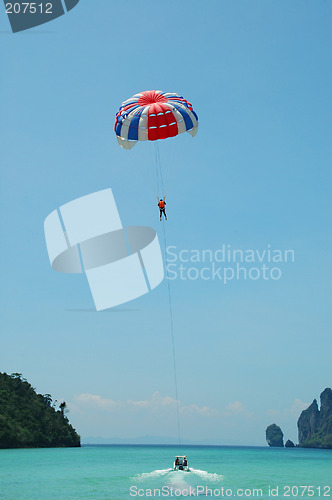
(153, 115)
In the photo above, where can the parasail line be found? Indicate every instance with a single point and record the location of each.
(160, 176)
(173, 342)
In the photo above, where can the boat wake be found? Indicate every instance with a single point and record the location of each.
(208, 476)
(203, 474)
(180, 481)
(146, 476)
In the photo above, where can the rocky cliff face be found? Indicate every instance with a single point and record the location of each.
(308, 422)
(326, 405)
(314, 425)
(274, 436)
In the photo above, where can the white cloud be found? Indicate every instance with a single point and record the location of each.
(93, 401)
(294, 411)
(204, 411)
(273, 413)
(155, 404)
(237, 408)
(95, 415)
(297, 407)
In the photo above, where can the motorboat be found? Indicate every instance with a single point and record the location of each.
(181, 463)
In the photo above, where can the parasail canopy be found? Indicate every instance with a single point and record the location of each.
(153, 115)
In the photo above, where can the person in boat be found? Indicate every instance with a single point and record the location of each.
(185, 463)
(162, 205)
(177, 461)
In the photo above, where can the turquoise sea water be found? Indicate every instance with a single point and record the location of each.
(124, 472)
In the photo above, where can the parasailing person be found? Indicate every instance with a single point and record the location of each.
(162, 207)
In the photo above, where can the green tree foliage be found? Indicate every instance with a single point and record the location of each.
(28, 419)
(63, 407)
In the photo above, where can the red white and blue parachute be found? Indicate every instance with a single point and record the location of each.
(153, 115)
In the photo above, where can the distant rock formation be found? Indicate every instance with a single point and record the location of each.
(274, 436)
(289, 444)
(314, 425)
(308, 422)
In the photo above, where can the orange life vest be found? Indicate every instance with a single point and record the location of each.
(161, 204)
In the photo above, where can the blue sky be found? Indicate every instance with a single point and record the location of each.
(249, 353)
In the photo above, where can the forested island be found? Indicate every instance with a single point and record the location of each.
(31, 420)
